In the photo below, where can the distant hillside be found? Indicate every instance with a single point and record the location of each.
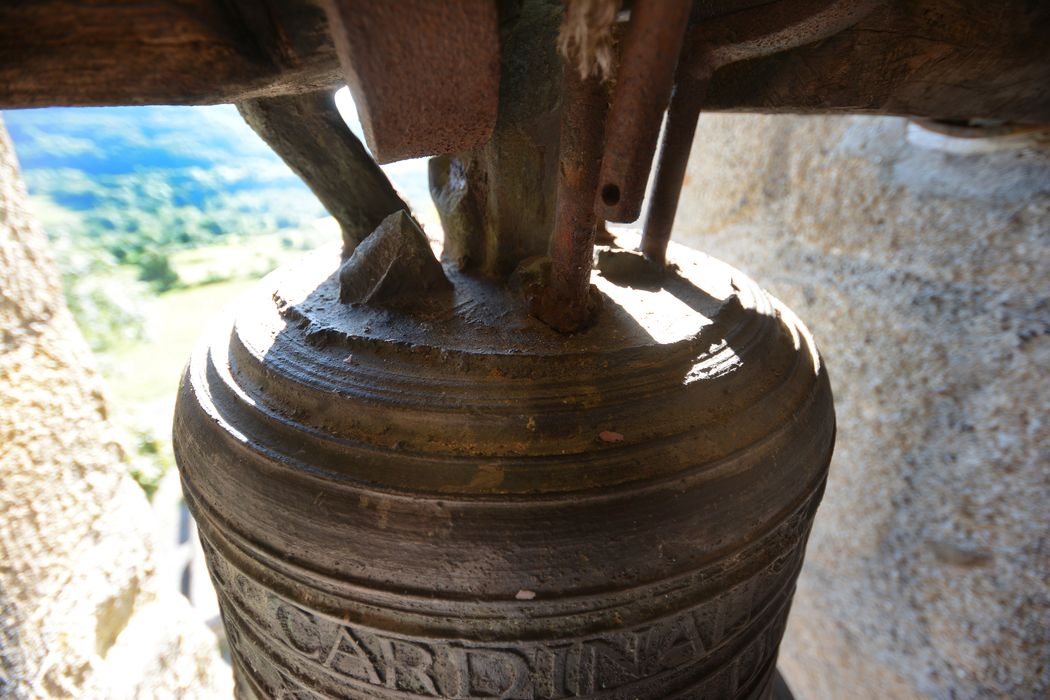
(116, 140)
(159, 217)
(168, 197)
(169, 177)
(163, 177)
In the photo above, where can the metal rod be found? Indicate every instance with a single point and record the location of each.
(651, 48)
(682, 115)
(567, 303)
(770, 28)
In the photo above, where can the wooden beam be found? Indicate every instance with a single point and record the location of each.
(930, 58)
(99, 52)
(948, 59)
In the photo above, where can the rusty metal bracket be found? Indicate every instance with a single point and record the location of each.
(603, 171)
(424, 74)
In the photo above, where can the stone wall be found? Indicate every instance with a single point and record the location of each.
(81, 612)
(922, 265)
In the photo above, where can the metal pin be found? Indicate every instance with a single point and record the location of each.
(682, 115)
(651, 48)
(566, 303)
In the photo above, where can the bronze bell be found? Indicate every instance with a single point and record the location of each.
(408, 486)
(461, 502)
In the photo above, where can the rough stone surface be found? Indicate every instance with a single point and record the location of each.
(920, 263)
(81, 615)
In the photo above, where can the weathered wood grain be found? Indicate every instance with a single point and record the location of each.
(939, 58)
(97, 52)
(929, 58)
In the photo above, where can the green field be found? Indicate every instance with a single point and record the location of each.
(159, 217)
(141, 374)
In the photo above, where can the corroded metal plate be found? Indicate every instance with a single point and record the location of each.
(424, 75)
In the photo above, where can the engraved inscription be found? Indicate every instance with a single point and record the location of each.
(291, 643)
(581, 669)
(578, 668)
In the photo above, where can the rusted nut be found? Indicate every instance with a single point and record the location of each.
(650, 53)
(424, 74)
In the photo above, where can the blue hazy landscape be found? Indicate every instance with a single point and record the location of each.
(147, 181)
(158, 218)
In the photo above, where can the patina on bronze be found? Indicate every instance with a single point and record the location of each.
(448, 498)
(409, 487)
(464, 503)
